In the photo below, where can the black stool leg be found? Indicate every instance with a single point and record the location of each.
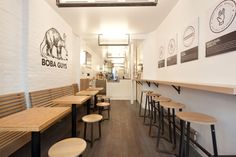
(159, 128)
(100, 129)
(169, 121)
(151, 118)
(174, 128)
(181, 144)
(91, 135)
(109, 108)
(155, 112)
(140, 105)
(188, 139)
(145, 110)
(85, 130)
(213, 134)
(162, 121)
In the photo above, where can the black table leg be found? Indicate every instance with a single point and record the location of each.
(35, 144)
(73, 118)
(88, 106)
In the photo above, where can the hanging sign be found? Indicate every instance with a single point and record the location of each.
(189, 42)
(221, 28)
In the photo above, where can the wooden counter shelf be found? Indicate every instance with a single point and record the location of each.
(217, 88)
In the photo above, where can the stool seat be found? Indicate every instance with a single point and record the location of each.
(196, 118)
(69, 147)
(92, 118)
(161, 99)
(103, 104)
(154, 94)
(172, 105)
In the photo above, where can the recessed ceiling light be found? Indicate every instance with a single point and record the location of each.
(105, 3)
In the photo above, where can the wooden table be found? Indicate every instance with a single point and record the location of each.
(94, 89)
(89, 93)
(73, 101)
(35, 120)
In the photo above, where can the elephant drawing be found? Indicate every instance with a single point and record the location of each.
(52, 39)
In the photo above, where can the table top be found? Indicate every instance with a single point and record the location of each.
(68, 100)
(85, 92)
(94, 88)
(33, 119)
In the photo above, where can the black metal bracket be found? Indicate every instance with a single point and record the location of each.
(177, 88)
(156, 84)
(139, 82)
(149, 83)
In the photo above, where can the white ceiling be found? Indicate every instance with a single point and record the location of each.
(137, 21)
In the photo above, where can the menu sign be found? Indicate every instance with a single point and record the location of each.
(221, 28)
(161, 57)
(189, 42)
(172, 51)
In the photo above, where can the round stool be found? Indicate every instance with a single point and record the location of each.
(141, 101)
(171, 105)
(148, 105)
(158, 100)
(193, 117)
(69, 147)
(92, 118)
(104, 98)
(104, 106)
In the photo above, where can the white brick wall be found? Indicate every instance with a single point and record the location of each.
(10, 46)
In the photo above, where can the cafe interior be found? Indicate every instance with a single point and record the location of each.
(117, 78)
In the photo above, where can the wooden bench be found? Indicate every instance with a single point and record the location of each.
(43, 98)
(10, 141)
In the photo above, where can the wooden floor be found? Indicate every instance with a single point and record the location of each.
(124, 135)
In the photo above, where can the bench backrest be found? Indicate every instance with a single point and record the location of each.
(84, 84)
(43, 98)
(11, 103)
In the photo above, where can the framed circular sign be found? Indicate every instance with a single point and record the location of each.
(222, 16)
(171, 46)
(189, 36)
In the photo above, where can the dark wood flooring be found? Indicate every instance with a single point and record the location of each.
(124, 135)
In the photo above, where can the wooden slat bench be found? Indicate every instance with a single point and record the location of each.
(43, 98)
(10, 141)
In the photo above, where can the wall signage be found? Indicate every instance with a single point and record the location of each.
(172, 51)
(161, 55)
(189, 42)
(53, 49)
(221, 28)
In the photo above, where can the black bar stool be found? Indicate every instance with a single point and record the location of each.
(157, 101)
(92, 118)
(170, 106)
(147, 107)
(193, 117)
(141, 101)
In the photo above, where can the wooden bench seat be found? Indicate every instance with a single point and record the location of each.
(10, 141)
(43, 98)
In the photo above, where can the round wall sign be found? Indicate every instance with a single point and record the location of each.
(161, 52)
(222, 16)
(171, 46)
(189, 36)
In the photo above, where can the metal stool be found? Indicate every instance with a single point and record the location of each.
(104, 106)
(158, 100)
(193, 117)
(171, 105)
(104, 98)
(147, 106)
(69, 147)
(92, 118)
(141, 101)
